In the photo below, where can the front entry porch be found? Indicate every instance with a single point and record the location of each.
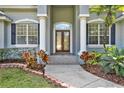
(63, 29)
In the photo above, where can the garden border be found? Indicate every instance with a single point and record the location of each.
(23, 66)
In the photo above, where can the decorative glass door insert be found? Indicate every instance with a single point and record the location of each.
(62, 40)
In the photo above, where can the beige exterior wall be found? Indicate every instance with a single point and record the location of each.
(62, 14)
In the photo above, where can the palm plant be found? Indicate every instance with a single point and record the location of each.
(109, 12)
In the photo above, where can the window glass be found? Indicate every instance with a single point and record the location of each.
(93, 34)
(62, 26)
(27, 33)
(96, 33)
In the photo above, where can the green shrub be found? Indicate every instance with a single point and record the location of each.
(14, 53)
(113, 61)
(96, 58)
(90, 57)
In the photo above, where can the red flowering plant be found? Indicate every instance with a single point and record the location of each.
(29, 59)
(90, 57)
(32, 62)
(43, 56)
(86, 56)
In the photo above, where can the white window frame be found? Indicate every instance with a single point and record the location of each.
(99, 45)
(27, 36)
(26, 20)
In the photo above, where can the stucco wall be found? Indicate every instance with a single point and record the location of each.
(62, 14)
(5, 34)
(84, 9)
(74, 31)
(51, 30)
(17, 14)
(120, 34)
(8, 35)
(94, 16)
(42, 9)
(77, 31)
(1, 34)
(48, 32)
(98, 49)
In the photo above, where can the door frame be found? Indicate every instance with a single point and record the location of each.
(62, 43)
(54, 36)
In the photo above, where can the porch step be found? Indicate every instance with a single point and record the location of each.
(63, 59)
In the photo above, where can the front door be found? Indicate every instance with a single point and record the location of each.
(62, 41)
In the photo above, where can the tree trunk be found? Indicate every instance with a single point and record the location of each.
(105, 39)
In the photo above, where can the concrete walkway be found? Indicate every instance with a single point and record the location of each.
(77, 77)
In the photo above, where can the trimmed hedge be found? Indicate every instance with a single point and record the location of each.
(14, 53)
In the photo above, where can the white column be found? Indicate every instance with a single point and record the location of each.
(42, 33)
(82, 34)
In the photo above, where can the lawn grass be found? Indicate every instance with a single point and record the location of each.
(17, 78)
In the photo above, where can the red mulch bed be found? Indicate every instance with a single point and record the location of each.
(97, 70)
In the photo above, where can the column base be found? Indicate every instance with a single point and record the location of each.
(80, 52)
(79, 59)
(38, 60)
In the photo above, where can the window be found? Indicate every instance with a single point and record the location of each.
(26, 33)
(96, 33)
(62, 26)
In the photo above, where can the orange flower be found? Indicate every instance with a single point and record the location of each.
(43, 55)
(86, 56)
(45, 59)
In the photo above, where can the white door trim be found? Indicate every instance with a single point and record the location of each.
(54, 36)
